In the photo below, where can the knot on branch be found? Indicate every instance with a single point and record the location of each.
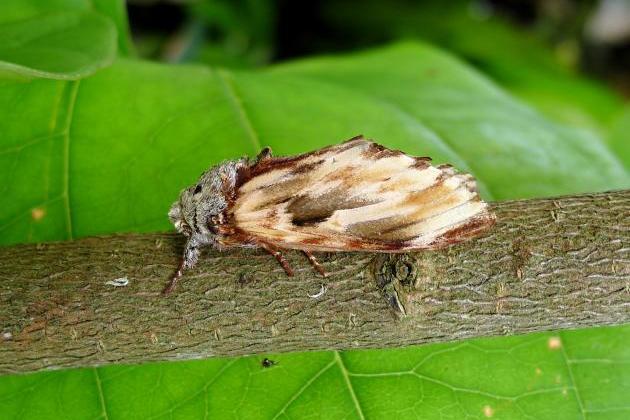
(395, 275)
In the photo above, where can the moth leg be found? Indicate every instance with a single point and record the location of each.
(316, 265)
(278, 256)
(191, 255)
(170, 286)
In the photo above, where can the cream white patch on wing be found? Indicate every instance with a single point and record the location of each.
(358, 195)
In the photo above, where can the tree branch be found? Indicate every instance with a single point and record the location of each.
(547, 265)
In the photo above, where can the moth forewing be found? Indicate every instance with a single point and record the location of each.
(354, 196)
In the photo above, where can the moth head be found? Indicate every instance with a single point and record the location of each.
(199, 209)
(177, 219)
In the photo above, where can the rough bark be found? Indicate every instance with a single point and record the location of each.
(548, 264)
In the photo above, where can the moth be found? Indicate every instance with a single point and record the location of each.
(354, 196)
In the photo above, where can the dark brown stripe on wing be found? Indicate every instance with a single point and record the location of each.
(308, 210)
(468, 230)
(392, 228)
(421, 162)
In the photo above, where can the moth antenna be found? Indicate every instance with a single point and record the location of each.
(278, 256)
(316, 265)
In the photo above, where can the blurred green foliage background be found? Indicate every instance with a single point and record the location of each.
(571, 58)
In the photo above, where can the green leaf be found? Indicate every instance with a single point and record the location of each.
(573, 374)
(110, 152)
(61, 39)
(64, 45)
(15, 10)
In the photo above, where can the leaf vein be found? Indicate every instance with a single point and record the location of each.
(101, 396)
(576, 391)
(237, 104)
(74, 89)
(204, 388)
(304, 388)
(346, 378)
